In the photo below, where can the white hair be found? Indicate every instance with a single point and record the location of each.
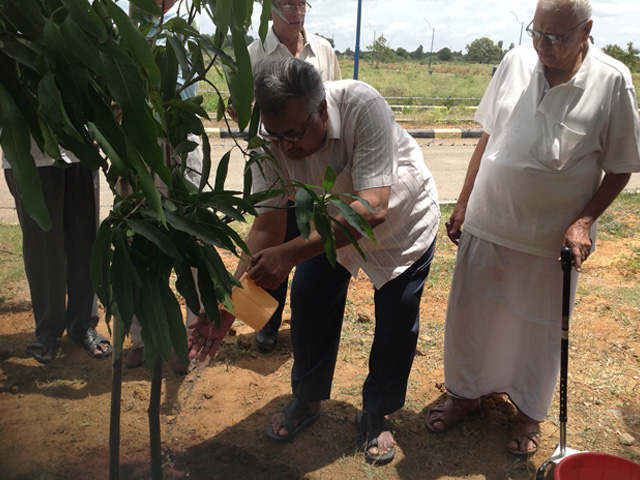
(580, 8)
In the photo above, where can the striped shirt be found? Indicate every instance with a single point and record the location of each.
(367, 149)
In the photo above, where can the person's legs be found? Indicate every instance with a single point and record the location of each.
(318, 297)
(80, 225)
(397, 306)
(267, 338)
(43, 254)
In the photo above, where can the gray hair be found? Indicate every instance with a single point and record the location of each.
(278, 83)
(580, 8)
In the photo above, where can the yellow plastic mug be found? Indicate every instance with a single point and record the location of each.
(252, 304)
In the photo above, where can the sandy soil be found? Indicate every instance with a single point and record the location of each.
(55, 418)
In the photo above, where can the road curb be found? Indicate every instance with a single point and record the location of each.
(438, 133)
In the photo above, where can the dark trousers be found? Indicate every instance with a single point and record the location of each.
(58, 261)
(318, 297)
(280, 293)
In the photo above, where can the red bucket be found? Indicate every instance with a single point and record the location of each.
(596, 466)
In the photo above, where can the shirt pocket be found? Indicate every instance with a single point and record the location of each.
(561, 147)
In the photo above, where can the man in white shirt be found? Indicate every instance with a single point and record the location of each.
(561, 140)
(347, 126)
(288, 38)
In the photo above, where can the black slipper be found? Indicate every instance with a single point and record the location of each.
(91, 342)
(42, 350)
(370, 427)
(293, 412)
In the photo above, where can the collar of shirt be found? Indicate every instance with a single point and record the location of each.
(272, 42)
(579, 80)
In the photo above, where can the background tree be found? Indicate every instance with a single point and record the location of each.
(629, 57)
(380, 51)
(444, 54)
(402, 53)
(418, 53)
(483, 50)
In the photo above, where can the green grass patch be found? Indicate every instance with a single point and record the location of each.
(11, 264)
(622, 218)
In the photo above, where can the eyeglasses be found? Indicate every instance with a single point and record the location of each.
(552, 39)
(290, 7)
(276, 137)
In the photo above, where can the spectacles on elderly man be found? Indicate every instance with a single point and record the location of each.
(290, 7)
(277, 137)
(549, 37)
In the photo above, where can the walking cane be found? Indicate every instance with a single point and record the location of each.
(562, 451)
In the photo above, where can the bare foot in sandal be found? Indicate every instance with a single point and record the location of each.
(446, 415)
(524, 436)
(294, 417)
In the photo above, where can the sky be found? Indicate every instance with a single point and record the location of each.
(455, 23)
(450, 23)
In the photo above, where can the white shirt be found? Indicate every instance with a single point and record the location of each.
(547, 152)
(42, 159)
(317, 51)
(367, 149)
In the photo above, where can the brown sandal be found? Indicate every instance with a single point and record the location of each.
(452, 411)
(521, 431)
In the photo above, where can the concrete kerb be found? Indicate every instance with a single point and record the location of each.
(416, 133)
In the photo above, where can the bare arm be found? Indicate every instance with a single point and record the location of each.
(205, 337)
(271, 266)
(454, 224)
(577, 235)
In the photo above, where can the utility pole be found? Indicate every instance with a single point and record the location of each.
(433, 34)
(356, 59)
(521, 27)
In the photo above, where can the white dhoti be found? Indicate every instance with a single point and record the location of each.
(503, 326)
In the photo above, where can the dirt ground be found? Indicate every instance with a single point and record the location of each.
(54, 419)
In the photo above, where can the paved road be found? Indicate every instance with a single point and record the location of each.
(446, 158)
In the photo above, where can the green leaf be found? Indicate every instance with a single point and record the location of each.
(124, 279)
(175, 322)
(87, 18)
(356, 220)
(179, 51)
(168, 67)
(208, 296)
(69, 74)
(16, 144)
(241, 82)
(265, 16)
(155, 235)
(222, 14)
(84, 49)
(186, 225)
(148, 6)
(21, 50)
(138, 123)
(304, 206)
(100, 262)
(135, 43)
(206, 161)
(26, 16)
(347, 233)
(154, 318)
(329, 179)
(188, 106)
(185, 284)
(221, 172)
(323, 226)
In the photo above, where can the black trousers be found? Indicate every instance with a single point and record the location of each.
(318, 298)
(57, 262)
